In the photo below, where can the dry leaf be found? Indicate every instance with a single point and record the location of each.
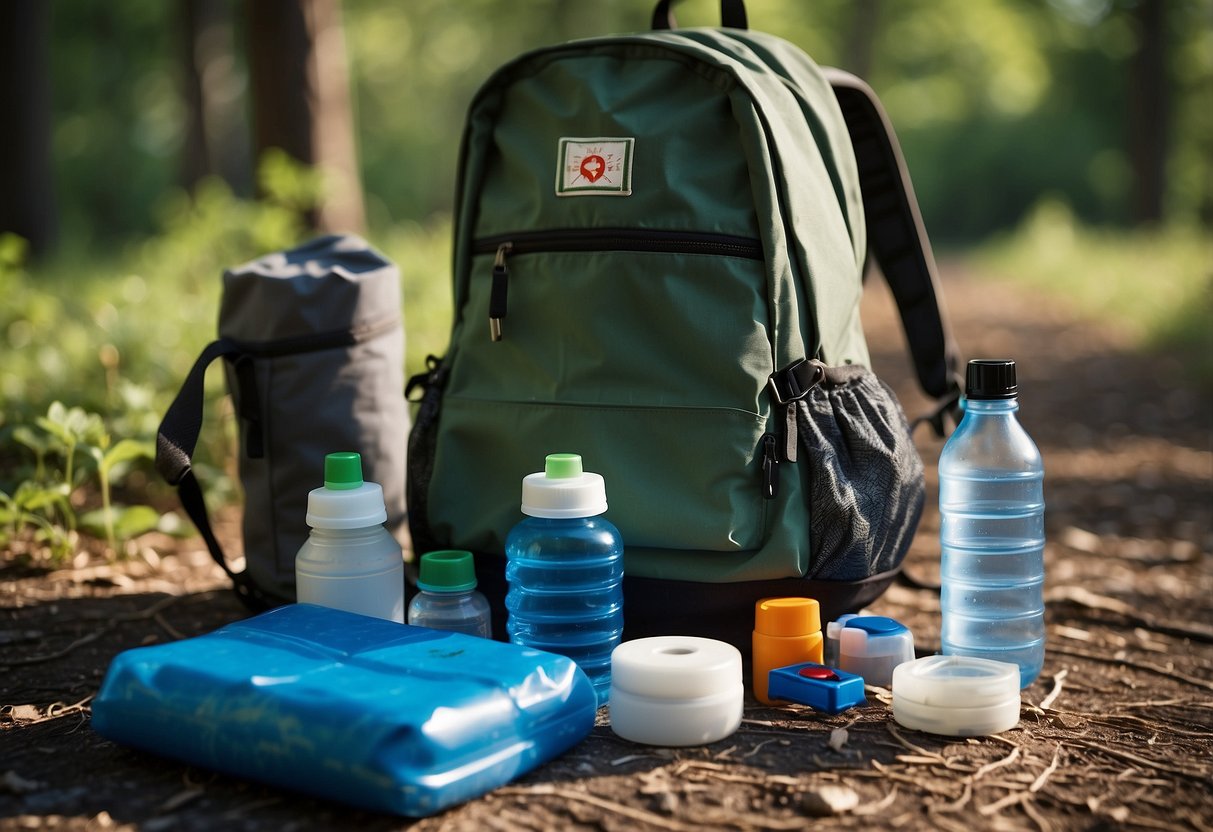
(838, 738)
(829, 800)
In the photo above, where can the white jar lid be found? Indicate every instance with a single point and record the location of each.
(956, 695)
(562, 489)
(676, 690)
(872, 636)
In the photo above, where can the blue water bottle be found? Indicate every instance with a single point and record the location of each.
(565, 570)
(991, 502)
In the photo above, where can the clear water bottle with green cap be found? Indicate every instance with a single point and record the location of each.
(350, 561)
(448, 599)
(565, 569)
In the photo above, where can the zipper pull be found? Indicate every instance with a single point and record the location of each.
(770, 466)
(791, 434)
(499, 290)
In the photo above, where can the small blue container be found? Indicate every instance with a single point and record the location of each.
(817, 686)
(361, 710)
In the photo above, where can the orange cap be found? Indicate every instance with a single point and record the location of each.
(787, 617)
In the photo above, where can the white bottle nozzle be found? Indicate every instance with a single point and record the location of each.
(345, 501)
(563, 489)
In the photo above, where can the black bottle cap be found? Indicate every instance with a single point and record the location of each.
(991, 378)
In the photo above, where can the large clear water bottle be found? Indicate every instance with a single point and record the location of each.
(991, 502)
(565, 570)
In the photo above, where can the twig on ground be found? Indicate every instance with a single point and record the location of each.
(999, 805)
(1042, 824)
(879, 806)
(1085, 598)
(957, 804)
(911, 746)
(1058, 679)
(988, 767)
(1040, 781)
(1117, 720)
(1152, 668)
(757, 748)
(1201, 775)
(639, 815)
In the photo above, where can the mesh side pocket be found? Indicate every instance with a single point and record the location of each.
(866, 486)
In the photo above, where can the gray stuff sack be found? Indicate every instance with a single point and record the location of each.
(313, 347)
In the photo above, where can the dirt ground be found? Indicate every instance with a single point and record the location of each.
(1117, 732)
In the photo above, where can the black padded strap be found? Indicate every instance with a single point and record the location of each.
(175, 443)
(898, 239)
(732, 15)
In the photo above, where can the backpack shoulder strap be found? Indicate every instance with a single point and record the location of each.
(898, 239)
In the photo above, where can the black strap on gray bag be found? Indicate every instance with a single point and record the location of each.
(175, 443)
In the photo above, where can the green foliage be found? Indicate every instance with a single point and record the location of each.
(116, 336)
(1155, 284)
(997, 101)
(71, 447)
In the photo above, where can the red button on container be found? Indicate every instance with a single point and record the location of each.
(818, 673)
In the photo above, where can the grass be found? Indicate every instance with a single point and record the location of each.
(1156, 284)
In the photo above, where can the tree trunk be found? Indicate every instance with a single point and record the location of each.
(861, 37)
(27, 187)
(301, 98)
(216, 143)
(1149, 111)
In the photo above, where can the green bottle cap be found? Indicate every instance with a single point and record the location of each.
(562, 466)
(449, 570)
(343, 471)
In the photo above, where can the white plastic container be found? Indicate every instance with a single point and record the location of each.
(675, 690)
(871, 646)
(349, 561)
(957, 696)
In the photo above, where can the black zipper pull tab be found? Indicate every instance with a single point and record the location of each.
(770, 466)
(499, 291)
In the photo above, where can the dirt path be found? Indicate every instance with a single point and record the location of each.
(1117, 732)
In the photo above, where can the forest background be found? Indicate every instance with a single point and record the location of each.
(147, 145)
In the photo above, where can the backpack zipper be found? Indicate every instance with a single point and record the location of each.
(599, 239)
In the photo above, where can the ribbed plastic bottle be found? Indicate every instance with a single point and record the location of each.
(350, 561)
(991, 502)
(448, 599)
(565, 570)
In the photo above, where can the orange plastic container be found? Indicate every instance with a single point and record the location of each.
(786, 631)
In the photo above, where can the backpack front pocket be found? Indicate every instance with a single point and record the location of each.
(680, 478)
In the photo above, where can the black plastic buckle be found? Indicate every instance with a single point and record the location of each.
(796, 380)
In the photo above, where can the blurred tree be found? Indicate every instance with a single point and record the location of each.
(1149, 110)
(216, 134)
(27, 192)
(301, 98)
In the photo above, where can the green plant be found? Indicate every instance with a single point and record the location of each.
(43, 502)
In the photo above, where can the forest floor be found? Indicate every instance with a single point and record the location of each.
(1116, 733)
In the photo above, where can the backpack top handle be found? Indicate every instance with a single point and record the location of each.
(732, 15)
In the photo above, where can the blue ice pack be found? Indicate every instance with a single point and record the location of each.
(361, 710)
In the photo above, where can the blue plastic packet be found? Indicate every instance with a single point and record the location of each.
(364, 711)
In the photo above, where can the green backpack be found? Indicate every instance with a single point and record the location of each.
(658, 256)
